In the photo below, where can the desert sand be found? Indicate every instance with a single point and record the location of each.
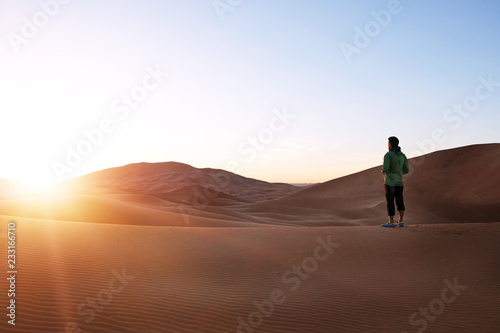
(167, 247)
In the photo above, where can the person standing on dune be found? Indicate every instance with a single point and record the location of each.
(395, 166)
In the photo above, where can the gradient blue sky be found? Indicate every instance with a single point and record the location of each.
(228, 78)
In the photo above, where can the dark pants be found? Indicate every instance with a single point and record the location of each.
(394, 193)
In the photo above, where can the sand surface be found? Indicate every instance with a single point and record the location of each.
(204, 279)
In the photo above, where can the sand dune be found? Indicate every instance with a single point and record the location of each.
(203, 279)
(177, 181)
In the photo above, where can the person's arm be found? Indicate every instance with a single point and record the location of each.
(387, 164)
(406, 168)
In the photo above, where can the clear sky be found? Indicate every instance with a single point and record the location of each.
(292, 91)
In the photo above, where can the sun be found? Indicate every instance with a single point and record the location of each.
(36, 187)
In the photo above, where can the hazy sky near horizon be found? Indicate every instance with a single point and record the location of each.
(292, 91)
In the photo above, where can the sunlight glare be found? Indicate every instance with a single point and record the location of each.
(37, 187)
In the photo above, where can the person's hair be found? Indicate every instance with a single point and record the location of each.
(394, 141)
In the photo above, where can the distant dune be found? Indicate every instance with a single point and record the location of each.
(178, 182)
(450, 186)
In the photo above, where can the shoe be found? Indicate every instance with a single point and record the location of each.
(390, 225)
(401, 224)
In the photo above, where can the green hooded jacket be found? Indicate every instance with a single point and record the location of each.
(395, 166)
